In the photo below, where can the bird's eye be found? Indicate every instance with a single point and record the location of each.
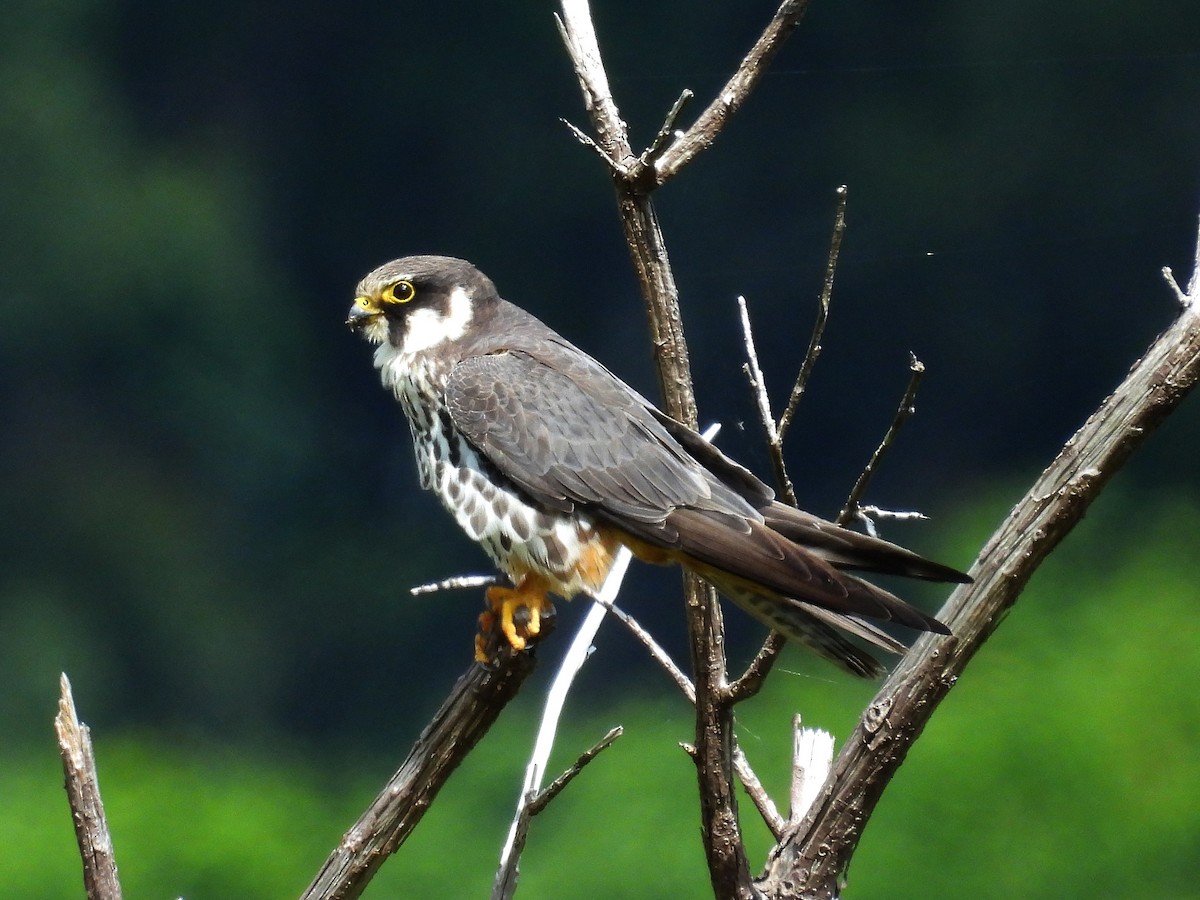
(400, 292)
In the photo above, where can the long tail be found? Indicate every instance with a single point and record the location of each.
(819, 630)
(788, 572)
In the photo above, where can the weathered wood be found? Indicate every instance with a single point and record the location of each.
(83, 792)
(476, 701)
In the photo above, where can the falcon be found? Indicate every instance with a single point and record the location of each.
(551, 463)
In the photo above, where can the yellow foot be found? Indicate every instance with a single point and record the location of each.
(520, 613)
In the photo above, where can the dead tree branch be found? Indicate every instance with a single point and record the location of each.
(83, 792)
(852, 508)
(505, 885)
(702, 134)
(818, 332)
(811, 858)
(476, 701)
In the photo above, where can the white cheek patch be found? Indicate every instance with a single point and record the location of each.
(428, 327)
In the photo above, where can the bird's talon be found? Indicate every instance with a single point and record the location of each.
(518, 615)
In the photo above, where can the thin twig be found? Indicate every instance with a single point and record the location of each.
(554, 788)
(587, 141)
(454, 583)
(754, 789)
(83, 792)
(867, 515)
(751, 681)
(1169, 276)
(823, 303)
(667, 132)
(903, 412)
(505, 885)
(656, 652)
(758, 794)
(1192, 294)
(759, 385)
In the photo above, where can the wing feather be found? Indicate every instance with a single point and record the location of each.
(590, 442)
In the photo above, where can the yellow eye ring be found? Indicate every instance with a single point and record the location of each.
(400, 292)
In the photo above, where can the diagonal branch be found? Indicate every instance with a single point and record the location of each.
(808, 862)
(706, 128)
(903, 412)
(505, 885)
(818, 332)
(759, 383)
(474, 704)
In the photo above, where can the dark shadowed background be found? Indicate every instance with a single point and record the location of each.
(210, 516)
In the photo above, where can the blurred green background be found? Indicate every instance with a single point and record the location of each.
(210, 517)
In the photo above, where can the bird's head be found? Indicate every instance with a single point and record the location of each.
(416, 303)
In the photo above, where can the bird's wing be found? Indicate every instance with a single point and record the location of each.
(573, 437)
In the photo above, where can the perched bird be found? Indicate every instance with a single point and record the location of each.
(551, 462)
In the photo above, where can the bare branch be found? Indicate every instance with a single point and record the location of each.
(818, 332)
(454, 583)
(552, 790)
(813, 854)
(729, 870)
(83, 792)
(506, 878)
(758, 794)
(903, 412)
(475, 702)
(706, 128)
(728, 867)
(667, 132)
(759, 385)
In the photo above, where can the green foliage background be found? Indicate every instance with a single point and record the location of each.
(1065, 752)
(209, 516)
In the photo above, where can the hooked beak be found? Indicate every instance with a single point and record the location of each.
(362, 314)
